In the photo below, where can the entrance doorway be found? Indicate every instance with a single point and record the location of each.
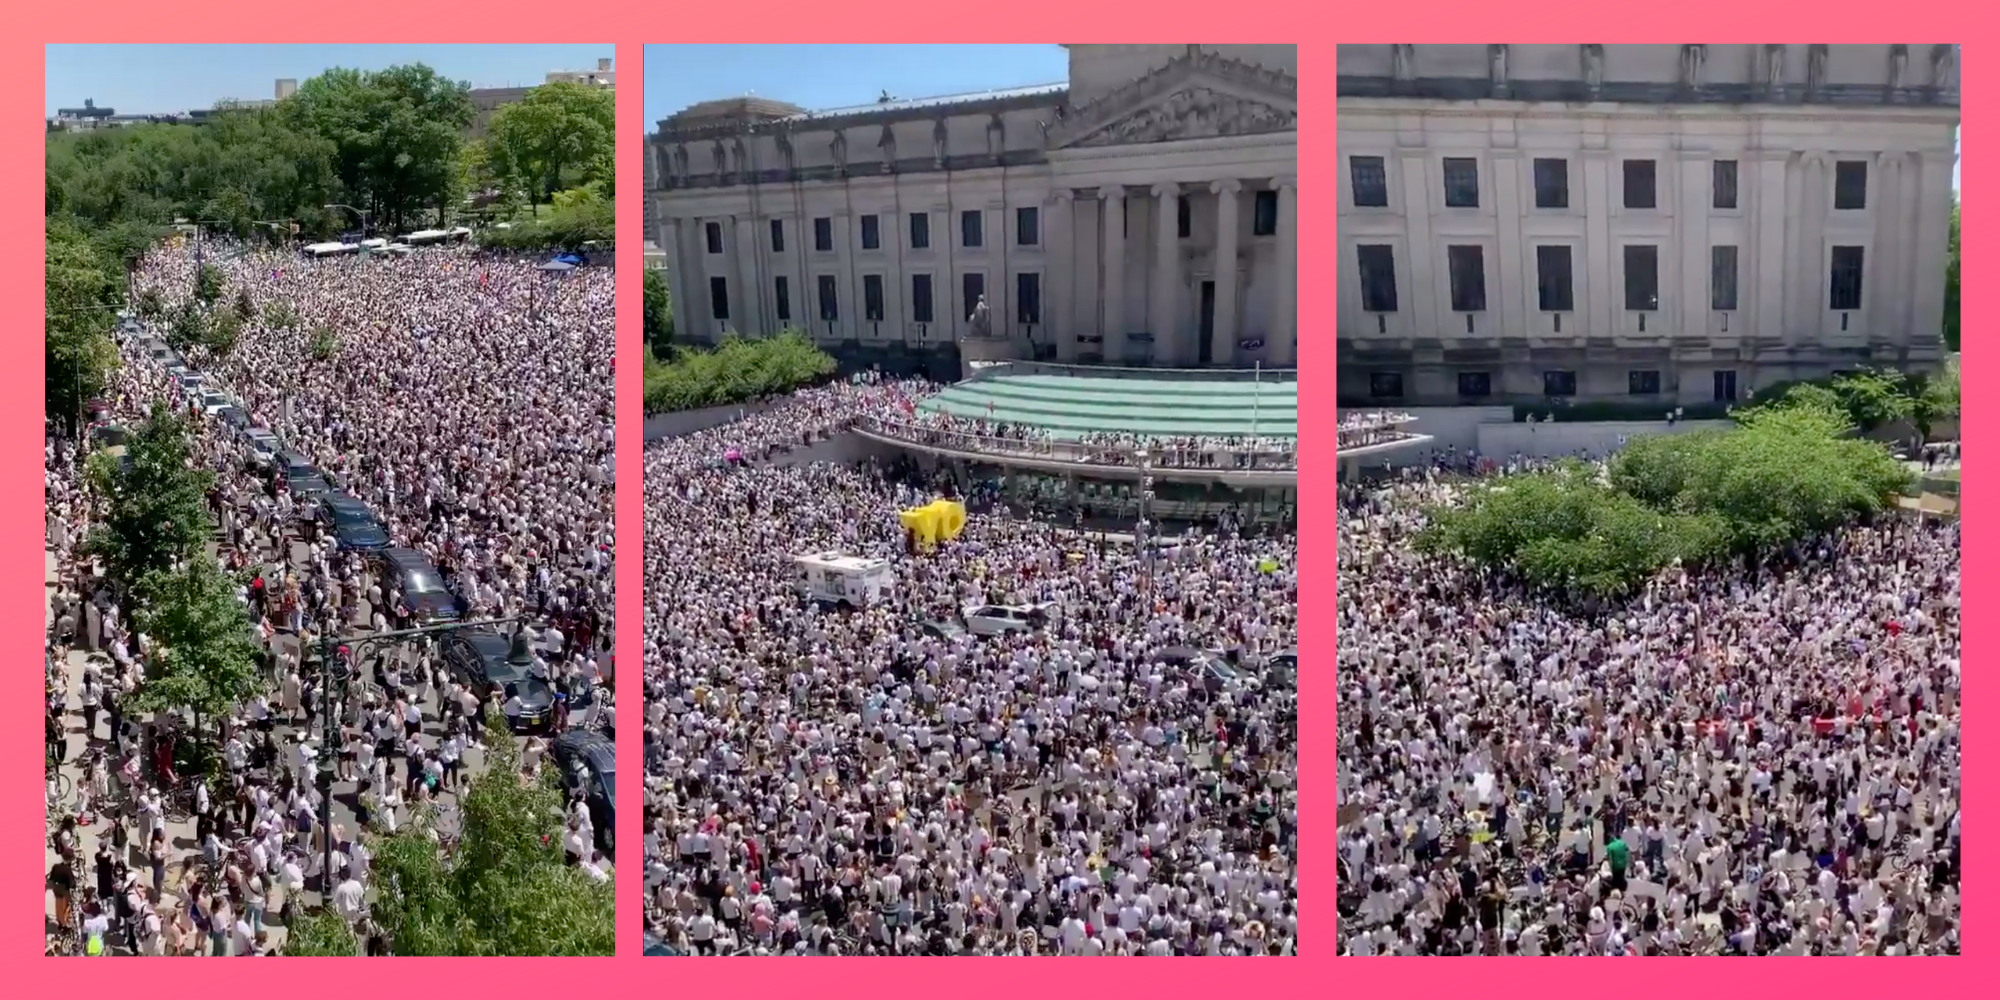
(1206, 349)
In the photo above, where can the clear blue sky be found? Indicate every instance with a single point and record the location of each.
(153, 79)
(837, 76)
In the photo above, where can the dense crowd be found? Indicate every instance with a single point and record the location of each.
(1357, 430)
(467, 400)
(1097, 447)
(878, 781)
(1757, 760)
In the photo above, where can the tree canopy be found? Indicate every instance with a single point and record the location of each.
(157, 514)
(735, 371)
(659, 314)
(83, 283)
(557, 137)
(1792, 469)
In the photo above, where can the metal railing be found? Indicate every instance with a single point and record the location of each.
(1159, 455)
(1275, 376)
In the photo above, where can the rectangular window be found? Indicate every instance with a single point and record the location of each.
(829, 299)
(777, 236)
(1028, 298)
(920, 230)
(823, 235)
(1725, 385)
(969, 231)
(1027, 227)
(1846, 290)
(1642, 278)
(1461, 182)
(1560, 384)
(871, 232)
(1264, 213)
(1551, 183)
(784, 290)
(1378, 277)
(1643, 383)
(871, 298)
(1475, 385)
(1725, 184)
(920, 299)
(1722, 278)
(1640, 185)
(718, 297)
(1369, 179)
(1183, 217)
(1850, 185)
(1555, 283)
(713, 231)
(1385, 385)
(975, 288)
(1468, 278)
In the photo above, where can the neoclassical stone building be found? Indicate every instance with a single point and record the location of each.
(1143, 212)
(1676, 224)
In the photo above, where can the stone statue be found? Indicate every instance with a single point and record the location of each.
(996, 137)
(1774, 72)
(1815, 70)
(1899, 62)
(743, 164)
(721, 159)
(840, 151)
(938, 144)
(980, 323)
(1944, 58)
(680, 163)
(1496, 68)
(785, 150)
(1593, 68)
(1692, 57)
(1405, 62)
(887, 144)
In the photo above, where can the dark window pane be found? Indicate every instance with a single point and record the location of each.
(1551, 183)
(1642, 278)
(920, 298)
(1183, 217)
(1370, 181)
(1461, 182)
(1725, 184)
(1385, 385)
(1027, 227)
(1722, 278)
(969, 224)
(1468, 278)
(1028, 298)
(1554, 282)
(1264, 213)
(920, 231)
(1725, 386)
(1378, 278)
(784, 289)
(718, 297)
(829, 299)
(1640, 185)
(975, 286)
(1643, 383)
(777, 236)
(871, 298)
(713, 231)
(823, 235)
(871, 232)
(1559, 383)
(1850, 185)
(1475, 385)
(1846, 291)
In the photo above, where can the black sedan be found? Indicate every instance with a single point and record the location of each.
(486, 661)
(351, 523)
(589, 762)
(425, 597)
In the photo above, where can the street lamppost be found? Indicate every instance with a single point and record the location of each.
(1145, 533)
(356, 211)
(337, 659)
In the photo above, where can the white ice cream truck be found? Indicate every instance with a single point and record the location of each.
(841, 579)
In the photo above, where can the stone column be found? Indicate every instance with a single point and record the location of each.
(1223, 346)
(1166, 277)
(1058, 277)
(1114, 274)
(680, 277)
(1282, 347)
(746, 313)
(701, 314)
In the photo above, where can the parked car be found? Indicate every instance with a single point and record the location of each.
(588, 761)
(999, 619)
(486, 661)
(233, 417)
(264, 446)
(425, 597)
(351, 523)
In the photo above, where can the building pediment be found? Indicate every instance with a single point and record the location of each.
(1200, 95)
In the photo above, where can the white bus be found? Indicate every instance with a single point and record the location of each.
(842, 579)
(330, 249)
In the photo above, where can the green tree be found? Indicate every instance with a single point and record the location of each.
(1951, 286)
(659, 314)
(81, 291)
(558, 136)
(394, 134)
(319, 934)
(208, 284)
(505, 889)
(735, 371)
(246, 310)
(223, 331)
(205, 660)
(157, 510)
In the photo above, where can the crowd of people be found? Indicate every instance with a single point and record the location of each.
(1359, 430)
(466, 399)
(1189, 451)
(878, 781)
(1755, 760)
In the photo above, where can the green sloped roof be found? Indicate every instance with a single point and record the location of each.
(1070, 406)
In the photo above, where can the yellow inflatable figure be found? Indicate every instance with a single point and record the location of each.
(934, 522)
